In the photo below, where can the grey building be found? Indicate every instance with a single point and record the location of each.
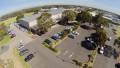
(29, 21)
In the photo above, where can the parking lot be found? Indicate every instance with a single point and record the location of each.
(71, 48)
(43, 57)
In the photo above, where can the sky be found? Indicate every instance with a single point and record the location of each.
(7, 6)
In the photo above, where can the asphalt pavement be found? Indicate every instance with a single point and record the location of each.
(71, 48)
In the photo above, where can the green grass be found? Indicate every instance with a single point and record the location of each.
(21, 59)
(5, 40)
(13, 19)
(9, 21)
(10, 63)
(118, 31)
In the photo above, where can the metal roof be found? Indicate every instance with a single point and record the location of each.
(55, 11)
(31, 18)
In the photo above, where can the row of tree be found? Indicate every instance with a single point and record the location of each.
(84, 16)
(3, 31)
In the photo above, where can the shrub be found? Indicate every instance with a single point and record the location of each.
(85, 66)
(77, 62)
(53, 49)
(90, 67)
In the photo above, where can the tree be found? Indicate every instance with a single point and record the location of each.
(20, 15)
(69, 14)
(84, 16)
(45, 21)
(36, 11)
(99, 20)
(101, 36)
(3, 31)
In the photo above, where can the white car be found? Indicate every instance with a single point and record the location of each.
(75, 33)
(19, 47)
(101, 50)
(109, 38)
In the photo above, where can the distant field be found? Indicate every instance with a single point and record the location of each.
(28, 14)
(13, 19)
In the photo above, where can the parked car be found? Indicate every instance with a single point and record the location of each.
(71, 36)
(116, 54)
(88, 45)
(56, 36)
(13, 35)
(108, 51)
(109, 38)
(19, 47)
(48, 41)
(75, 33)
(29, 57)
(117, 65)
(23, 52)
(101, 50)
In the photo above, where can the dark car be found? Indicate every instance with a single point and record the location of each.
(29, 57)
(23, 52)
(71, 36)
(13, 35)
(108, 51)
(88, 45)
(55, 37)
(48, 41)
(117, 65)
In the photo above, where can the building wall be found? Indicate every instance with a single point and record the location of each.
(28, 24)
(24, 23)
